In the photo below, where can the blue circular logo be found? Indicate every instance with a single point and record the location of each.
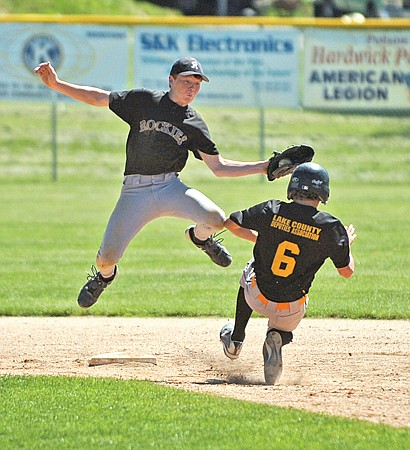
(41, 48)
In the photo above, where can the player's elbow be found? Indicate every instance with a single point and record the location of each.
(219, 171)
(218, 165)
(94, 97)
(230, 225)
(346, 272)
(100, 100)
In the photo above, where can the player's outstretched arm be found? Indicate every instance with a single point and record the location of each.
(86, 94)
(222, 167)
(243, 233)
(348, 271)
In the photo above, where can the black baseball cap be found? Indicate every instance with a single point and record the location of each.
(188, 66)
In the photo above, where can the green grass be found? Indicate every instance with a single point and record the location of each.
(51, 231)
(74, 413)
(99, 7)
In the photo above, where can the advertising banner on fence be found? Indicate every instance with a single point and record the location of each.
(90, 55)
(246, 67)
(357, 70)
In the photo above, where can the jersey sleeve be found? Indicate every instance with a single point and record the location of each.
(125, 103)
(202, 137)
(340, 248)
(253, 218)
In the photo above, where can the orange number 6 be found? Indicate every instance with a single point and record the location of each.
(283, 265)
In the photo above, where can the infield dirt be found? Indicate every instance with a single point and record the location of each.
(357, 369)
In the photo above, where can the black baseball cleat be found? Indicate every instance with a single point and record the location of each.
(212, 247)
(231, 348)
(94, 287)
(272, 357)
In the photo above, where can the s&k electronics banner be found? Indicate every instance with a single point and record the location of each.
(357, 69)
(90, 55)
(246, 67)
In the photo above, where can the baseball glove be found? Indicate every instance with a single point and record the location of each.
(283, 163)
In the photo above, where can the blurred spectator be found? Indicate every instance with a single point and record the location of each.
(217, 7)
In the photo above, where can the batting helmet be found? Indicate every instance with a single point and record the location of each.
(309, 178)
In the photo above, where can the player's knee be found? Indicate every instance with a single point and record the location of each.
(287, 336)
(216, 220)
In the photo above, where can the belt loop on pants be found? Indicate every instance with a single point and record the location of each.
(260, 297)
(280, 306)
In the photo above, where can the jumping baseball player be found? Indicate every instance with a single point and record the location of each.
(163, 129)
(292, 241)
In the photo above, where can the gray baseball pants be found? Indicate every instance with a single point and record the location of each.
(282, 316)
(143, 198)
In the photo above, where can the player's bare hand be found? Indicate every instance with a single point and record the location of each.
(351, 232)
(47, 74)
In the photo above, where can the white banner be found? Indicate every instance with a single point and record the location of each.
(360, 70)
(251, 67)
(82, 54)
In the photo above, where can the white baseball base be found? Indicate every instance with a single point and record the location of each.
(120, 358)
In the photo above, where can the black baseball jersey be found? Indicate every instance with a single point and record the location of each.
(293, 242)
(161, 132)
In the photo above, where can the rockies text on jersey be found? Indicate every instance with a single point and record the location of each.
(161, 132)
